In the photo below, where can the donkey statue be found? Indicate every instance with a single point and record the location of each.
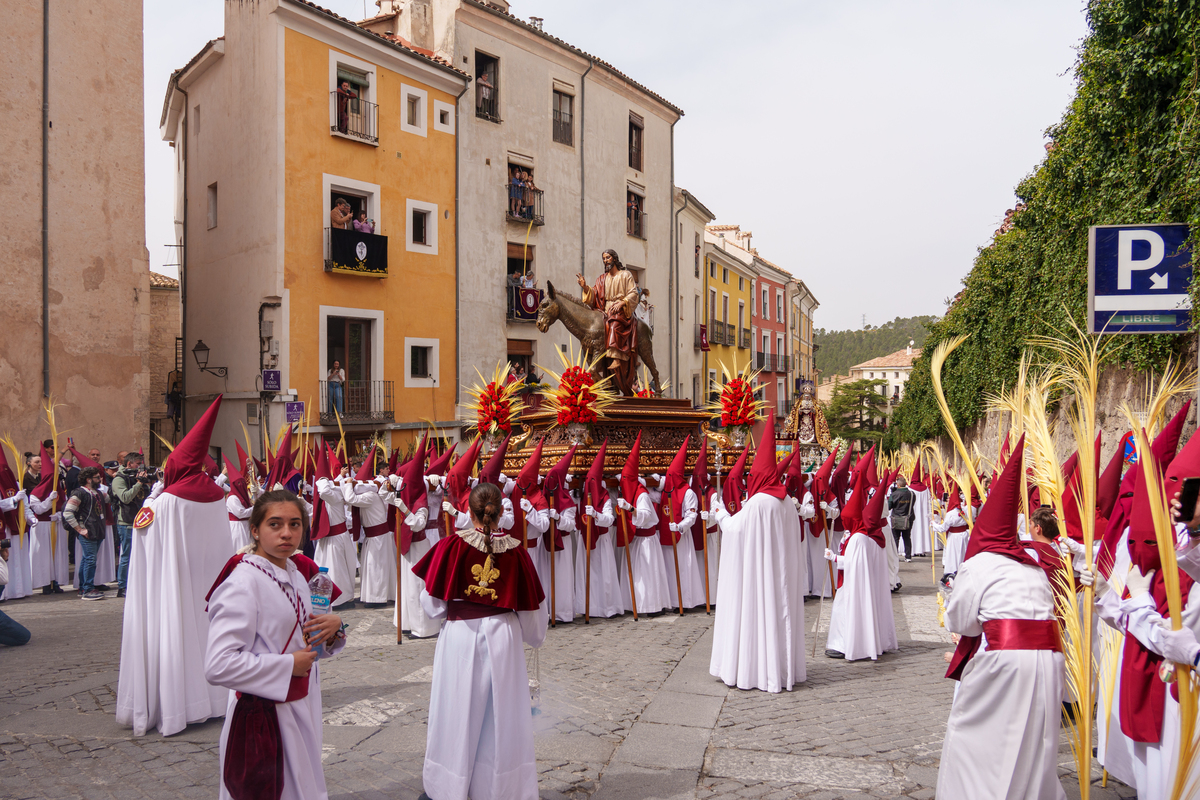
(587, 325)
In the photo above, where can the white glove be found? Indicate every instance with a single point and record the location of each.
(394, 480)
(553, 514)
(526, 506)
(1089, 578)
(434, 480)
(623, 504)
(824, 506)
(1137, 583)
(448, 508)
(718, 508)
(590, 511)
(568, 478)
(503, 479)
(796, 503)
(21, 496)
(674, 527)
(53, 496)
(1075, 547)
(830, 555)
(400, 505)
(704, 515)
(654, 476)
(1179, 646)
(56, 517)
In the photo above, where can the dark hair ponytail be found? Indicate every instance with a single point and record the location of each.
(486, 503)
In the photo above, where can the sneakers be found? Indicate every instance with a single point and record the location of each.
(908, 561)
(92, 595)
(120, 592)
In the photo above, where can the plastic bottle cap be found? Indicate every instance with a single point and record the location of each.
(322, 569)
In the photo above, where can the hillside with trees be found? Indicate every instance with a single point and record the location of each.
(840, 350)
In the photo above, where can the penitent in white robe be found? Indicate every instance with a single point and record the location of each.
(239, 529)
(414, 619)
(713, 542)
(173, 562)
(650, 579)
(956, 543)
(20, 576)
(815, 543)
(861, 623)
(480, 737)
(378, 552)
(609, 596)
(251, 637)
(48, 554)
(691, 582)
(1114, 750)
(1002, 736)
(336, 552)
(758, 635)
(564, 567)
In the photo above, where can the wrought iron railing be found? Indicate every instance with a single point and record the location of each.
(358, 401)
(716, 332)
(744, 339)
(635, 222)
(564, 130)
(765, 362)
(354, 117)
(522, 303)
(487, 107)
(524, 205)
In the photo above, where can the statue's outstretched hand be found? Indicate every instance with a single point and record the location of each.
(579, 279)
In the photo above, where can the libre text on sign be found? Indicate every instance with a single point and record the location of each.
(1138, 278)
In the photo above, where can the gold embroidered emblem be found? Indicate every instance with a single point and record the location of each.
(485, 574)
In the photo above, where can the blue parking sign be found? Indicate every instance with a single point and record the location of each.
(1138, 279)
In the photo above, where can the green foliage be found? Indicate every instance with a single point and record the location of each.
(856, 410)
(1125, 152)
(841, 350)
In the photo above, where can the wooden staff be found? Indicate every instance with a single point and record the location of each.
(675, 554)
(625, 518)
(399, 587)
(587, 581)
(832, 581)
(553, 557)
(704, 541)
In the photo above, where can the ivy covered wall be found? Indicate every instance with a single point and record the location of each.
(1126, 151)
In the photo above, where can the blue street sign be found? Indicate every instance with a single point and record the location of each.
(294, 411)
(270, 380)
(1138, 278)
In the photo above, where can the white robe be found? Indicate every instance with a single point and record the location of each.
(1114, 750)
(239, 529)
(758, 635)
(564, 567)
(480, 734)
(47, 566)
(337, 552)
(651, 583)
(173, 562)
(20, 575)
(713, 542)
(609, 596)
(820, 584)
(921, 534)
(252, 635)
(691, 582)
(956, 543)
(414, 619)
(1002, 735)
(378, 552)
(861, 623)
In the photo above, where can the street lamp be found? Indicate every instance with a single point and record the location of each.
(200, 351)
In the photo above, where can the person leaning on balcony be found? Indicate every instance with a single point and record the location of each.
(364, 225)
(483, 92)
(527, 195)
(344, 95)
(341, 215)
(337, 381)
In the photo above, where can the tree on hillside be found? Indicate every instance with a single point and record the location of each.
(856, 411)
(840, 350)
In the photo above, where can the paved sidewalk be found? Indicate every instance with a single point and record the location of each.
(627, 710)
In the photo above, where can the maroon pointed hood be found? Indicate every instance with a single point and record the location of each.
(763, 473)
(365, 473)
(676, 477)
(9, 520)
(1185, 465)
(1143, 543)
(995, 529)
(49, 473)
(458, 477)
(839, 482)
(629, 473)
(872, 515)
(555, 485)
(440, 463)
(700, 482)
(794, 483)
(735, 482)
(594, 492)
(237, 482)
(527, 478)
(412, 487)
(1167, 441)
(495, 465)
(183, 473)
(821, 487)
(852, 514)
(85, 462)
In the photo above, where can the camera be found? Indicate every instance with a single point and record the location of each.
(5, 544)
(140, 475)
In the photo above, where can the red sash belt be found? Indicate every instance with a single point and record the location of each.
(957, 529)
(235, 518)
(334, 530)
(376, 530)
(465, 609)
(44, 517)
(1022, 634)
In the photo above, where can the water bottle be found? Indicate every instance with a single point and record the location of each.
(321, 596)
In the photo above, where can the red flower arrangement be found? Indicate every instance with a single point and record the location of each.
(736, 404)
(579, 398)
(496, 405)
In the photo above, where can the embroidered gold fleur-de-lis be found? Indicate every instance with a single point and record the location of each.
(486, 574)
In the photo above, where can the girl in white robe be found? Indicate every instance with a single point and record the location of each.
(48, 559)
(480, 730)
(260, 617)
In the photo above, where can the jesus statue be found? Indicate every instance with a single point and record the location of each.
(614, 294)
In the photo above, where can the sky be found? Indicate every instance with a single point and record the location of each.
(872, 146)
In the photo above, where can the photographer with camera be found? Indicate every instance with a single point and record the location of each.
(130, 488)
(84, 514)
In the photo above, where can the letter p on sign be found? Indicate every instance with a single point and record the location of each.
(1126, 263)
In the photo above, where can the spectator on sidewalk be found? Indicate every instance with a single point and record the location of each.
(130, 488)
(84, 514)
(12, 633)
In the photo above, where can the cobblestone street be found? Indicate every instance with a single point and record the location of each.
(627, 710)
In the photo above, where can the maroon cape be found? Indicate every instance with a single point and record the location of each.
(449, 571)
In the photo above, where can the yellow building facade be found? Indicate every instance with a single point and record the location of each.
(728, 292)
(305, 117)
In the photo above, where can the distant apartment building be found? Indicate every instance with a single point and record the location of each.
(560, 157)
(893, 369)
(74, 146)
(691, 216)
(729, 289)
(800, 326)
(294, 113)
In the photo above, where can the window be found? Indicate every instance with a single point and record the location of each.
(696, 391)
(419, 361)
(636, 126)
(352, 110)
(564, 130)
(766, 341)
(725, 276)
(196, 122)
(524, 198)
(712, 269)
(698, 256)
(443, 117)
(354, 337)
(422, 233)
(414, 119)
(895, 374)
(712, 308)
(635, 214)
(779, 306)
(212, 206)
(725, 308)
(741, 284)
(872, 375)
(766, 312)
(741, 315)
(487, 87)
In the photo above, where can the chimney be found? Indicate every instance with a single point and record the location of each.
(388, 6)
(908, 350)
(537, 22)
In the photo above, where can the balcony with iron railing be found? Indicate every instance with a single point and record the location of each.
(716, 332)
(352, 252)
(487, 107)
(764, 361)
(635, 222)
(522, 303)
(701, 340)
(524, 205)
(353, 117)
(359, 402)
(564, 131)
(744, 339)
